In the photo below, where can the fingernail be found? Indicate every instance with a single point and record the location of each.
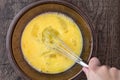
(85, 69)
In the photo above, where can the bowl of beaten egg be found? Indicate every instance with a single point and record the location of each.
(29, 54)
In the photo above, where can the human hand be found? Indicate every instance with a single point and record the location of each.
(98, 72)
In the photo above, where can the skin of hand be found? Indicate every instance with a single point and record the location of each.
(96, 71)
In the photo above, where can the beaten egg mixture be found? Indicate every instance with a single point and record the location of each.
(36, 52)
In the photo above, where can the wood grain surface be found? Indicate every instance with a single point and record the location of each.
(104, 14)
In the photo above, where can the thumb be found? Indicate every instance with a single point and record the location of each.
(94, 63)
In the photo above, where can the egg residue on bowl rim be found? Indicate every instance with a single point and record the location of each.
(34, 49)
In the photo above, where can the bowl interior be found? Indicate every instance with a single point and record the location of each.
(31, 12)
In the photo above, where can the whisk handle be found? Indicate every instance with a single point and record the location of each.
(83, 64)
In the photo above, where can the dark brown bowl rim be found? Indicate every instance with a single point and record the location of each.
(25, 9)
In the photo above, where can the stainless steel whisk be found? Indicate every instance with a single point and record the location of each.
(65, 50)
(54, 42)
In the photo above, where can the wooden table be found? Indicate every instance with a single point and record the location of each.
(104, 14)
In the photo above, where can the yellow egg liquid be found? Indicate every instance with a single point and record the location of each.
(35, 50)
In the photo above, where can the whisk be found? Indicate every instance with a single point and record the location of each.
(55, 43)
(65, 50)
